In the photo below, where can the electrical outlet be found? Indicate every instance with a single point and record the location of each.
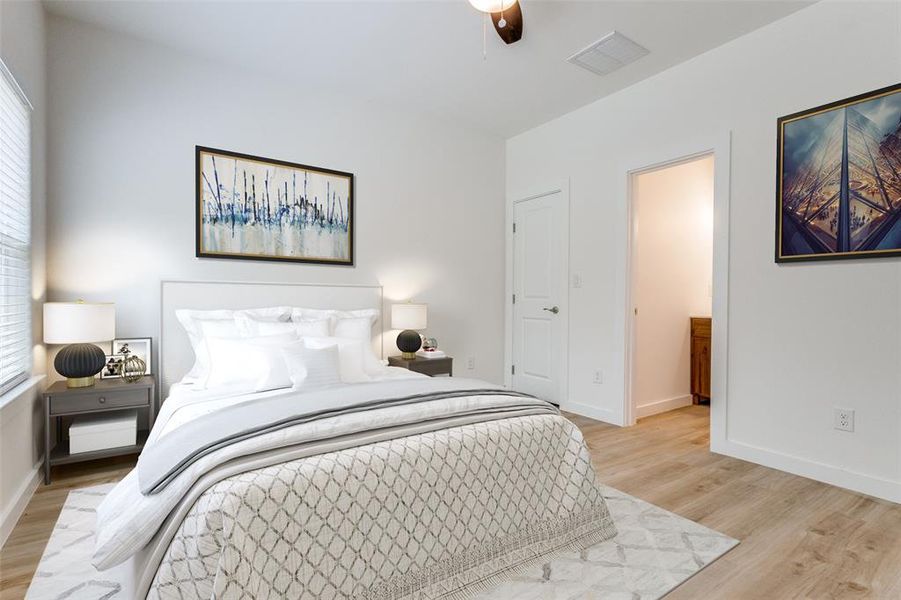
(844, 419)
(577, 281)
(471, 363)
(598, 377)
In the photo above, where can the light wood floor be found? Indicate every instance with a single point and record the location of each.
(799, 538)
(22, 552)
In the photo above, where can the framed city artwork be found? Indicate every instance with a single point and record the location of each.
(838, 192)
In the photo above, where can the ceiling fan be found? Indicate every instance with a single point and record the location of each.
(506, 15)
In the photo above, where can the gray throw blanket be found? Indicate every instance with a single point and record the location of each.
(174, 452)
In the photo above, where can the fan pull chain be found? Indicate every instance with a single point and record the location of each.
(485, 37)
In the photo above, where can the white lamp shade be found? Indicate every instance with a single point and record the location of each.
(409, 316)
(492, 6)
(79, 322)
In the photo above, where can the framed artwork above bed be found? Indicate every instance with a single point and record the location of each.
(255, 208)
(838, 190)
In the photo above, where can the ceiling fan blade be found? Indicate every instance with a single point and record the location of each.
(512, 31)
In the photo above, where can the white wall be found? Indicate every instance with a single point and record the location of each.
(125, 117)
(673, 277)
(803, 339)
(22, 39)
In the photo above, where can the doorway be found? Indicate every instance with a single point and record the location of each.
(672, 208)
(540, 295)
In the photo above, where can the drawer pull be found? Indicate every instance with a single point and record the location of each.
(102, 400)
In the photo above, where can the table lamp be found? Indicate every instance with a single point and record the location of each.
(78, 324)
(409, 317)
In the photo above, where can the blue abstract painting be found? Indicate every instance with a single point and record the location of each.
(257, 208)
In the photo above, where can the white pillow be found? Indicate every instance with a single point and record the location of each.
(350, 356)
(218, 328)
(356, 328)
(190, 319)
(255, 364)
(300, 314)
(198, 323)
(313, 327)
(353, 324)
(249, 327)
(312, 367)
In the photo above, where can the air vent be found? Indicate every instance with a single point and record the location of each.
(608, 54)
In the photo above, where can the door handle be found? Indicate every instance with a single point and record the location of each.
(553, 309)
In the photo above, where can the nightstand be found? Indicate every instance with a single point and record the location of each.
(426, 366)
(106, 395)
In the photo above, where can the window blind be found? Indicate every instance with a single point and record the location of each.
(15, 233)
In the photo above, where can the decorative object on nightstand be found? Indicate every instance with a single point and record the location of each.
(130, 360)
(409, 317)
(426, 366)
(430, 349)
(113, 399)
(132, 369)
(79, 324)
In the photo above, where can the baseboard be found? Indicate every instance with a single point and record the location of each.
(23, 496)
(660, 406)
(885, 489)
(592, 412)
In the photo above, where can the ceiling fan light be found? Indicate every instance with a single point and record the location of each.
(492, 6)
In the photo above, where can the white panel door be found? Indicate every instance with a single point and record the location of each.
(539, 287)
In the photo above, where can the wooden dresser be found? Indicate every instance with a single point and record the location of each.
(700, 359)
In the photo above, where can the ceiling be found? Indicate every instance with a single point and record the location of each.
(426, 56)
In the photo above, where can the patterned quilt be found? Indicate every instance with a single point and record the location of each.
(443, 514)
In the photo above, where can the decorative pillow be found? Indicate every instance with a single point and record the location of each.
(312, 367)
(350, 356)
(218, 328)
(354, 324)
(248, 326)
(313, 327)
(356, 328)
(300, 314)
(254, 363)
(198, 323)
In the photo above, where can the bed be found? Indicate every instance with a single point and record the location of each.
(348, 479)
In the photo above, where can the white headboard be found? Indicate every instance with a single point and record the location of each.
(176, 356)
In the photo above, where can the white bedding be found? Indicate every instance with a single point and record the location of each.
(128, 519)
(185, 403)
(520, 470)
(170, 541)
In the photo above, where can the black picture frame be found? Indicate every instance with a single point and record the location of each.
(780, 256)
(146, 355)
(105, 373)
(200, 252)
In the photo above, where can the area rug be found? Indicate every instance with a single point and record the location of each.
(653, 552)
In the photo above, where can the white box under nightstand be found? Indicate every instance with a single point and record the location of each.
(100, 432)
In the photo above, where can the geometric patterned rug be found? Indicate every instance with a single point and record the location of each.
(654, 551)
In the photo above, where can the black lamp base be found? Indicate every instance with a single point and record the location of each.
(78, 363)
(408, 342)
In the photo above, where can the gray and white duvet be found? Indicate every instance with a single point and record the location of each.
(418, 488)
